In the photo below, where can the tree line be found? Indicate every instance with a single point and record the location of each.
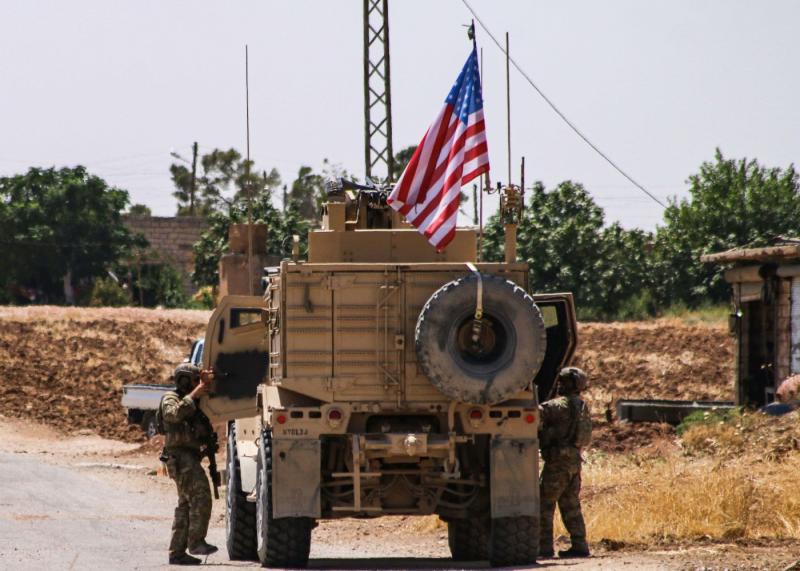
(62, 232)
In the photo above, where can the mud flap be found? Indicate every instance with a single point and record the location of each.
(296, 468)
(515, 477)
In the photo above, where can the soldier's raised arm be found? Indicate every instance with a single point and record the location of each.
(175, 409)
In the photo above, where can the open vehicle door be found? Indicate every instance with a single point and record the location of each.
(558, 310)
(236, 348)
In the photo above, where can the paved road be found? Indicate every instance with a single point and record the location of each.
(63, 517)
(57, 515)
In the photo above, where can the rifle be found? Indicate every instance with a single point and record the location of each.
(210, 451)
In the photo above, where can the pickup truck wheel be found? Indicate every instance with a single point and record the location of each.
(481, 362)
(283, 542)
(468, 539)
(148, 425)
(514, 541)
(240, 515)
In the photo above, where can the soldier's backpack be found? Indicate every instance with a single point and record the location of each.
(582, 425)
(160, 428)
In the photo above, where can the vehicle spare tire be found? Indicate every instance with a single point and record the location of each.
(492, 363)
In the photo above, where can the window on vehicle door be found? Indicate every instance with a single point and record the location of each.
(197, 358)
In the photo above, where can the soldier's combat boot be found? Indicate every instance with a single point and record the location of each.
(578, 549)
(203, 548)
(183, 559)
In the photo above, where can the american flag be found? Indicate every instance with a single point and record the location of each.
(452, 153)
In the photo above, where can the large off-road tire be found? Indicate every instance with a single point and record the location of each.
(468, 539)
(514, 541)
(149, 425)
(240, 515)
(283, 542)
(511, 345)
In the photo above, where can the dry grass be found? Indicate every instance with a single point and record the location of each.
(735, 480)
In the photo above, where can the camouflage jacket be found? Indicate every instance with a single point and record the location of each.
(557, 427)
(183, 424)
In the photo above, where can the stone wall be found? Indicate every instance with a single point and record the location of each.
(171, 240)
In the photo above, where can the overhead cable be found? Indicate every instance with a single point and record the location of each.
(558, 112)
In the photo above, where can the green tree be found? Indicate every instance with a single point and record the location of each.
(226, 178)
(561, 236)
(732, 203)
(59, 228)
(140, 210)
(401, 159)
(185, 181)
(308, 193)
(214, 241)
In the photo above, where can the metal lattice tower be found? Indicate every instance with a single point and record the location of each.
(378, 153)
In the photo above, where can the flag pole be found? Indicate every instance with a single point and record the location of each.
(486, 176)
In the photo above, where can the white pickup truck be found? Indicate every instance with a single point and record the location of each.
(141, 400)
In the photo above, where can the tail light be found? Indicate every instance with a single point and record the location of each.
(281, 419)
(475, 417)
(335, 417)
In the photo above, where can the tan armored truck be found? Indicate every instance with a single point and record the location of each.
(378, 377)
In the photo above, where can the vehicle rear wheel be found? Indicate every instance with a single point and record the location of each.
(514, 541)
(282, 542)
(480, 361)
(149, 425)
(468, 539)
(240, 515)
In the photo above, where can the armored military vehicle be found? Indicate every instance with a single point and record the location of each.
(379, 377)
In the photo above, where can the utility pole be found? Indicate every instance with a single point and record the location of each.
(378, 152)
(193, 189)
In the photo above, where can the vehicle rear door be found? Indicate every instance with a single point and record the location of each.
(237, 349)
(558, 311)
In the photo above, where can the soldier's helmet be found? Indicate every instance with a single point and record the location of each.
(184, 376)
(573, 378)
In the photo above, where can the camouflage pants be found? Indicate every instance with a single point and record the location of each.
(194, 501)
(561, 484)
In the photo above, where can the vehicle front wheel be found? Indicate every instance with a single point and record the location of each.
(282, 542)
(240, 515)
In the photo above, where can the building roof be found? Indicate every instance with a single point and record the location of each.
(787, 251)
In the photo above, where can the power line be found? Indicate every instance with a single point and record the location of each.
(558, 112)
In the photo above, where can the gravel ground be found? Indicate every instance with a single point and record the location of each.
(82, 502)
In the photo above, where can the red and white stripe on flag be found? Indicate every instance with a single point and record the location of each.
(452, 153)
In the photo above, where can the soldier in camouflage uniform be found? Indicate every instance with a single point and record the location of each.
(564, 430)
(185, 429)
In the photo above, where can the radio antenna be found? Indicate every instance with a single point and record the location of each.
(248, 182)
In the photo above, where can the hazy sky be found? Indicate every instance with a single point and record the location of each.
(115, 85)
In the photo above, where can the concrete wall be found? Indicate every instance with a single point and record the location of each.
(171, 240)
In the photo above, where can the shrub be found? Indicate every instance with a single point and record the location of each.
(205, 298)
(108, 293)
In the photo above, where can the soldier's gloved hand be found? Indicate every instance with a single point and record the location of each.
(199, 390)
(207, 375)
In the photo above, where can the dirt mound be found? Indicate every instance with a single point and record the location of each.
(65, 367)
(662, 359)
